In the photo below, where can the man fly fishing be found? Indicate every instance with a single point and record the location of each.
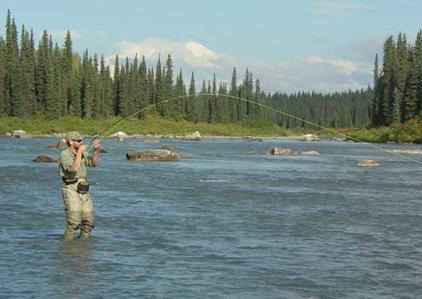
(73, 163)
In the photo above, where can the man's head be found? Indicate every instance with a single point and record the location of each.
(74, 139)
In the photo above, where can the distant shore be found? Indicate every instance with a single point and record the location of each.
(156, 127)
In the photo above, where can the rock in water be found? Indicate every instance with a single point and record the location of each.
(169, 147)
(155, 155)
(277, 151)
(61, 144)
(195, 136)
(119, 135)
(368, 163)
(44, 158)
(310, 137)
(309, 153)
(21, 134)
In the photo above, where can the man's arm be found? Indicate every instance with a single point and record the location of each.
(96, 158)
(78, 158)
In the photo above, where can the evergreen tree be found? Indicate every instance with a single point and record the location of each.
(235, 93)
(388, 82)
(417, 69)
(3, 99)
(12, 76)
(377, 107)
(116, 87)
(180, 90)
(191, 102)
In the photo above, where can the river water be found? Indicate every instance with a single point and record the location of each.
(232, 222)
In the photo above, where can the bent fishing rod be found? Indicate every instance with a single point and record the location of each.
(100, 135)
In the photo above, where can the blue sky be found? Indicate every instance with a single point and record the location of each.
(290, 45)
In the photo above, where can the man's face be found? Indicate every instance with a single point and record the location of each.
(76, 143)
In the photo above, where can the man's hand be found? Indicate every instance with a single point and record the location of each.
(83, 148)
(96, 144)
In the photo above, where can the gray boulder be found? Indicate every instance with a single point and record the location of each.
(61, 144)
(195, 136)
(309, 153)
(368, 163)
(44, 158)
(155, 155)
(278, 151)
(310, 137)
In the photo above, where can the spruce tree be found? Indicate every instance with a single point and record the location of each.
(3, 98)
(235, 93)
(191, 102)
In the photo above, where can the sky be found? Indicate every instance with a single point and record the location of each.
(290, 46)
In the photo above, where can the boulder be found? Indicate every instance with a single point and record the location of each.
(119, 135)
(61, 144)
(255, 139)
(309, 137)
(195, 136)
(338, 139)
(151, 139)
(278, 151)
(44, 158)
(155, 155)
(407, 151)
(169, 147)
(21, 134)
(368, 163)
(309, 153)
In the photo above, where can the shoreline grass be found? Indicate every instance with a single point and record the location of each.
(411, 132)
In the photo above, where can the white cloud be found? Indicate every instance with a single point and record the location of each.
(190, 52)
(313, 73)
(337, 8)
(308, 73)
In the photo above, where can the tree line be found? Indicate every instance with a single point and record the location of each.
(398, 82)
(55, 81)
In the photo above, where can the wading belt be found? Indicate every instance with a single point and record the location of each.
(69, 181)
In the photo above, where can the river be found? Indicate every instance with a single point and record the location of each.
(232, 222)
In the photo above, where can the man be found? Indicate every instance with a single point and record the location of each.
(73, 163)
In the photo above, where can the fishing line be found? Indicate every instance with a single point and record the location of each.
(100, 135)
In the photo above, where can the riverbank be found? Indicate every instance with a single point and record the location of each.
(151, 125)
(156, 126)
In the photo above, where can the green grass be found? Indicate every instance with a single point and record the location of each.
(152, 124)
(411, 132)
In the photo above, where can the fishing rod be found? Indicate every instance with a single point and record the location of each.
(100, 135)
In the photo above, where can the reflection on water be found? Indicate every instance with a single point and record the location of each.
(73, 265)
(230, 222)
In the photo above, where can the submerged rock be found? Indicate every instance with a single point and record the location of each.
(151, 139)
(103, 151)
(309, 153)
(44, 158)
(309, 137)
(368, 163)
(338, 139)
(278, 151)
(407, 151)
(169, 147)
(155, 155)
